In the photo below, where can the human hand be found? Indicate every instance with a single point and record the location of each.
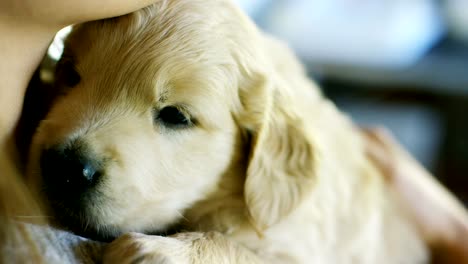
(440, 218)
(60, 13)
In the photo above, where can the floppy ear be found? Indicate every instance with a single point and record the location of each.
(280, 172)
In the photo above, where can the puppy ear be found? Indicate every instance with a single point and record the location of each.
(280, 171)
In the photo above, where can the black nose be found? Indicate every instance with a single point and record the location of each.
(68, 171)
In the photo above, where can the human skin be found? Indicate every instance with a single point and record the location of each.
(26, 29)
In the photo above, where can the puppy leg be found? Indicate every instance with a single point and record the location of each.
(211, 247)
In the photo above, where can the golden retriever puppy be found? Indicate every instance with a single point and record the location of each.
(184, 121)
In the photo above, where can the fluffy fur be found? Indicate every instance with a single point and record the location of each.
(269, 171)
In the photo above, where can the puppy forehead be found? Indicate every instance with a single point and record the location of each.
(152, 65)
(149, 49)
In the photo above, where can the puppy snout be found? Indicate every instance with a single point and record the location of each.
(69, 171)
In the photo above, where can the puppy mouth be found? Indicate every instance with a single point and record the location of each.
(73, 215)
(83, 224)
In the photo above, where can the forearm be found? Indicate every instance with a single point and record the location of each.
(21, 50)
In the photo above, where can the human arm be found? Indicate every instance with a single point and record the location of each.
(26, 29)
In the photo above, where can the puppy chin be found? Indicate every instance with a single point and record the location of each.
(107, 233)
(86, 224)
(81, 223)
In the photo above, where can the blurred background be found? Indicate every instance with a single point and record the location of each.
(402, 64)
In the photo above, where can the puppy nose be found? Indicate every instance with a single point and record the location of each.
(68, 171)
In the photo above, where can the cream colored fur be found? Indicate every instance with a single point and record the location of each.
(270, 172)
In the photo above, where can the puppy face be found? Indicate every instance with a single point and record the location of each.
(152, 117)
(143, 127)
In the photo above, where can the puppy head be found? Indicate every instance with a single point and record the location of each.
(143, 127)
(152, 108)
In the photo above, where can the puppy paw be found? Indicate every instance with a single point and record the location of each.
(139, 248)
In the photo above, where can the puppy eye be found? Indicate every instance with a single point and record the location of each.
(173, 117)
(67, 74)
